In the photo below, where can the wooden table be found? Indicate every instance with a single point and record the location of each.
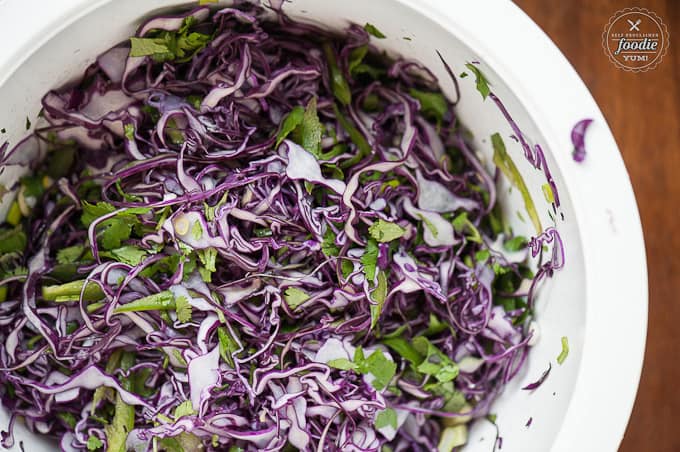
(643, 111)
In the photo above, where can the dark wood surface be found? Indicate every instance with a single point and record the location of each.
(643, 111)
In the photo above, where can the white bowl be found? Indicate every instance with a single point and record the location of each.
(599, 300)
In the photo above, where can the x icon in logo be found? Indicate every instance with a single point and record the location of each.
(634, 26)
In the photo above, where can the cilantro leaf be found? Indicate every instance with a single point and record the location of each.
(372, 30)
(183, 309)
(385, 418)
(308, 133)
(12, 240)
(94, 443)
(516, 243)
(508, 168)
(342, 364)
(381, 368)
(184, 409)
(128, 254)
(385, 231)
(565, 350)
(228, 345)
(480, 79)
(435, 363)
(370, 259)
(433, 105)
(378, 295)
(463, 224)
(404, 349)
(208, 257)
(295, 297)
(289, 123)
(165, 45)
(140, 47)
(328, 246)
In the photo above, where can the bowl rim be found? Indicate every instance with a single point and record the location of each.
(605, 210)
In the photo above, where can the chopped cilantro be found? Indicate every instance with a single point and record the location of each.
(228, 345)
(433, 105)
(385, 231)
(378, 295)
(370, 259)
(183, 309)
(184, 409)
(328, 246)
(385, 418)
(373, 31)
(480, 80)
(289, 123)
(295, 297)
(94, 443)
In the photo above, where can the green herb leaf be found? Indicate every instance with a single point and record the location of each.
(480, 79)
(435, 363)
(372, 30)
(161, 301)
(339, 85)
(370, 259)
(565, 350)
(94, 443)
(128, 254)
(328, 246)
(12, 240)
(289, 123)
(433, 105)
(378, 295)
(208, 257)
(130, 131)
(463, 74)
(481, 256)
(381, 368)
(508, 168)
(385, 231)
(386, 417)
(435, 326)
(308, 133)
(516, 243)
(124, 415)
(140, 47)
(228, 345)
(184, 409)
(183, 309)
(404, 349)
(463, 224)
(342, 364)
(295, 297)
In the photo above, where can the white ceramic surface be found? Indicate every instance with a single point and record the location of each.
(599, 301)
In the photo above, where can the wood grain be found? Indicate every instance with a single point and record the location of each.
(643, 111)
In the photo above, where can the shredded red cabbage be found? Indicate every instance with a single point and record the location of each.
(247, 232)
(578, 139)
